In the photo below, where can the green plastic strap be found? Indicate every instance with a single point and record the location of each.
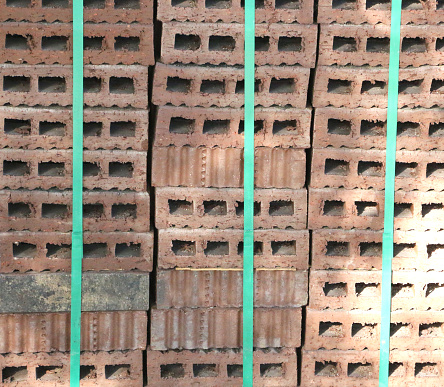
(77, 191)
(389, 202)
(248, 272)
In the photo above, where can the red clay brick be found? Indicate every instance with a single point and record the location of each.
(272, 367)
(224, 127)
(47, 85)
(216, 86)
(207, 328)
(209, 43)
(223, 167)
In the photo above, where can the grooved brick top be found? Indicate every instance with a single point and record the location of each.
(224, 127)
(209, 43)
(224, 86)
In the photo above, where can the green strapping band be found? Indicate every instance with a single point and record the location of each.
(389, 201)
(77, 192)
(248, 264)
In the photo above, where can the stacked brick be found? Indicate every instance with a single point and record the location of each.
(196, 325)
(36, 131)
(346, 198)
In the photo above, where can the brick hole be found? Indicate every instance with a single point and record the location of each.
(431, 330)
(187, 42)
(17, 42)
(331, 329)
(172, 371)
(410, 87)
(95, 250)
(121, 85)
(121, 169)
(52, 85)
(258, 126)
(435, 251)
(359, 370)
(333, 208)
(336, 167)
(402, 290)
(127, 43)
(221, 43)
(434, 290)
(91, 169)
(403, 210)
(205, 370)
(439, 4)
(234, 370)
(344, 4)
(290, 43)
(379, 5)
(339, 127)
(344, 44)
(117, 371)
(184, 3)
(432, 210)
(407, 170)
(400, 330)
(14, 374)
(126, 4)
(54, 211)
(122, 129)
(283, 247)
(184, 248)
(18, 3)
(413, 45)
(285, 128)
(381, 45)
(408, 129)
(258, 248)
(180, 207)
(338, 289)
(215, 207)
(281, 208)
(326, 369)
(271, 370)
(217, 248)
(217, 4)
(437, 86)
(286, 85)
(55, 3)
(367, 209)
(17, 127)
(287, 4)
(396, 369)
(16, 84)
(61, 251)
(339, 86)
(19, 210)
(436, 130)
(239, 207)
(94, 4)
(216, 126)
(366, 331)
(128, 250)
(93, 211)
(88, 372)
(15, 168)
(55, 43)
(49, 373)
(258, 4)
(366, 290)
(92, 43)
(92, 129)
(411, 5)
(373, 128)
(124, 211)
(240, 86)
(404, 250)
(51, 168)
(52, 128)
(212, 86)
(439, 44)
(426, 370)
(337, 249)
(92, 85)
(23, 250)
(373, 87)
(261, 43)
(370, 249)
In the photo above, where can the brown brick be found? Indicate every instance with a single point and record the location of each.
(48, 85)
(223, 167)
(273, 249)
(96, 369)
(52, 44)
(367, 87)
(209, 43)
(207, 328)
(418, 129)
(224, 127)
(216, 86)
(272, 367)
(45, 169)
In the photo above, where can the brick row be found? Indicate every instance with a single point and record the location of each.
(418, 129)
(207, 328)
(223, 167)
(209, 43)
(224, 86)
(367, 87)
(47, 85)
(113, 44)
(224, 127)
(224, 249)
(274, 367)
(52, 211)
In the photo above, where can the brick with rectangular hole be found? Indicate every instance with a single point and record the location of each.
(220, 367)
(206, 328)
(29, 251)
(343, 86)
(223, 167)
(110, 44)
(47, 85)
(206, 43)
(224, 86)
(117, 368)
(51, 211)
(224, 127)
(213, 248)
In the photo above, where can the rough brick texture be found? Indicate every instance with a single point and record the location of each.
(224, 86)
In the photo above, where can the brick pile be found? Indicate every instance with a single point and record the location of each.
(36, 131)
(198, 87)
(346, 197)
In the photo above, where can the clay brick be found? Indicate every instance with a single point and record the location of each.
(224, 127)
(292, 11)
(33, 128)
(223, 208)
(223, 167)
(272, 249)
(207, 328)
(273, 367)
(367, 87)
(360, 368)
(209, 43)
(418, 129)
(96, 369)
(223, 288)
(360, 45)
(27, 251)
(108, 11)
(224, 86)
(49, 332)
(47, 85)
(52, 211)
(45, 169)
(36, 43)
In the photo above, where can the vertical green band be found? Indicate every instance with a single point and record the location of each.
(77, 188)
(389, 202)
(248, 272)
